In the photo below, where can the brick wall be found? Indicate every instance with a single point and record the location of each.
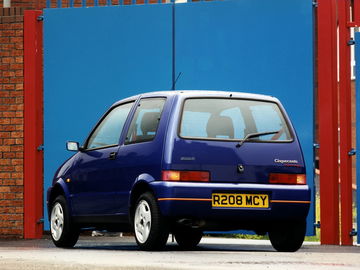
(28, 4)
(11, 122)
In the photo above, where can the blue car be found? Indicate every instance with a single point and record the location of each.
(184, 162)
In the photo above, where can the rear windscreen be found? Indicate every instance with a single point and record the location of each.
(233, 119)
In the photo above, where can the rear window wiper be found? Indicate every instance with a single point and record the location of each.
(253, 135)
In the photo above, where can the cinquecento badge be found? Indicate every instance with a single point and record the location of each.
(282, 161)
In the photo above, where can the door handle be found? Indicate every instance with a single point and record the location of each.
(112, 155)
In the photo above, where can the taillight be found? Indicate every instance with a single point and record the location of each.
(185, 176)
(285, 178)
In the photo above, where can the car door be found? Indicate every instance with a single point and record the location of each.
(97, 181)
(141, 153)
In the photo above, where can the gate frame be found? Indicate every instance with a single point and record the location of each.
(33, 125)
(345, 123)
(356, 23)
(336, 17)
(327, 117)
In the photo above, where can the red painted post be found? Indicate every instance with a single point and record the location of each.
(345, 123)
(356, 11)
(328, 123)
(33, 126)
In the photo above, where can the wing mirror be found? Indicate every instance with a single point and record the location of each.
(73, 146)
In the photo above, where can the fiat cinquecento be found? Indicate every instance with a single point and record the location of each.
(184, 162)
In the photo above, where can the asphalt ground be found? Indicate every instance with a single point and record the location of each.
(120, 253)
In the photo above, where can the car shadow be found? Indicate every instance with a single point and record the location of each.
(128, 244)
(173, 247)
(215, 247)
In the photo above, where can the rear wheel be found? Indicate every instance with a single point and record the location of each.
(288, 237)
(151, 229)
(63, 232)
(188, 238)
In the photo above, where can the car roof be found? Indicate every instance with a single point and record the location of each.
(199, 93)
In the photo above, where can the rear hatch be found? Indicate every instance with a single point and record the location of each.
(236, 140)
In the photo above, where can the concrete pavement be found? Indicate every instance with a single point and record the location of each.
(120, 253)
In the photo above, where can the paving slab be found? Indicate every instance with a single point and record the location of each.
(120, 253)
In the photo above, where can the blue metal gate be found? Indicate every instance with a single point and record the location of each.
(97, 55)
(94, 57)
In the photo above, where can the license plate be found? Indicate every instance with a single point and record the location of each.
(240, 200)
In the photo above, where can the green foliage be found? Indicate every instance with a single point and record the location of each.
(242, 236)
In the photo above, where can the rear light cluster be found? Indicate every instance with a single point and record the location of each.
(285, 178)
(185, 176)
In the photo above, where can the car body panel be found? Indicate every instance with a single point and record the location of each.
(168, 193)
(222, 159)
(95, 187)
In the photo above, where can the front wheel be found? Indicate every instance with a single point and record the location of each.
(63, 232)
(151, 229)
(288, 237)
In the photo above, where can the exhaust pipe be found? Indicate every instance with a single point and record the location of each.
(194, 224)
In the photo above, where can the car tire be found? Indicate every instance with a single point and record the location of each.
(188, 238)
(288, 237)
(62, 230)
(151, 228)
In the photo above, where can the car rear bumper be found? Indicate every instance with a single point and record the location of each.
(194, 200)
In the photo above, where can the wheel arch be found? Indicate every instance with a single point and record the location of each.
(59, 188)
(141, 185)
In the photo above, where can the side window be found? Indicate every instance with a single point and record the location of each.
(109, 130)
(146, 120)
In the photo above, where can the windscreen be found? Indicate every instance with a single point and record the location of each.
(233, 119)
